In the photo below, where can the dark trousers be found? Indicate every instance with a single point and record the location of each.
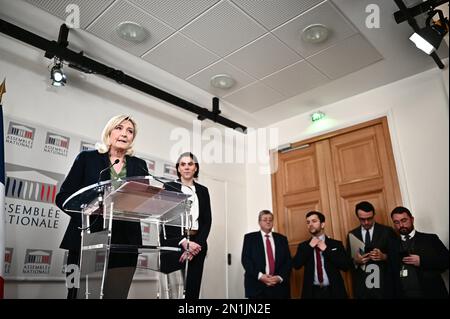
(121, 268)
(274, 292)
(73, 258)
(194, 275)
(321, 292)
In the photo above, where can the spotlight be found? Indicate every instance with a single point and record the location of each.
(429, 38)
(57, 75)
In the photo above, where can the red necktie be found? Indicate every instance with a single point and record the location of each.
(270, 256)
(319, 265)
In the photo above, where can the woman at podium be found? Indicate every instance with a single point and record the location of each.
(113, 159)
(193, 242)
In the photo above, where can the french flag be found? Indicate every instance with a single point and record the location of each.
(2, 197)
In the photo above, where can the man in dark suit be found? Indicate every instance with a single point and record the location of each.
(371, 282)
(323, 258)
(267, 261)
(420, 261)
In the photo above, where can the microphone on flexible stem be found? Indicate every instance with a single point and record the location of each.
(108, 168)
(100, 192)
(161, 181)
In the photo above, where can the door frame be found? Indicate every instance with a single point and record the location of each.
(381, 120)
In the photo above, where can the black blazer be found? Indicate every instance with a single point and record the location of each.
(382, 238)
(434, 260)
(254, 261)
(84, 172)
(335, 259)
(173, 233)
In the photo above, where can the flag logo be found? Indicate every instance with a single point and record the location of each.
(86, 146)
(145, 230)
(170, 171)
(20, 135)
(29, 184)
(142, 262)
(66, 255)
(99, 260)
(56, 144)
(8, 259)
(37, 261)
(151, 165)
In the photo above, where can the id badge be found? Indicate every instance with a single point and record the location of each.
(404, 273)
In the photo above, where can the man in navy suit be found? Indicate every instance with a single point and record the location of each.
(267, 261)
(323, 259)
(420, 260)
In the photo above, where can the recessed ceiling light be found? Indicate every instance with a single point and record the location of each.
(315, 33)
(222, 81)
(131, 31)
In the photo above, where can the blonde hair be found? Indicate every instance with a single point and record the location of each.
(112, 123)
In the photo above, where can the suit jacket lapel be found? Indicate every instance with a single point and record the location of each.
(105, 163)
(260, 247)
(375, 235)
(359, 234)
(130, 167)
(275, 243)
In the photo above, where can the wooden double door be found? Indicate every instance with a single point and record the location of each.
(332, 173)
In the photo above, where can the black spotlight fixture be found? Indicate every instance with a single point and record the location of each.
(429, 38)
(57, 74)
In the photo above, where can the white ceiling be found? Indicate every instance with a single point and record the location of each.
(258, 43)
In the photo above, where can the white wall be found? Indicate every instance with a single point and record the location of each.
(418, 118)
(83, 108)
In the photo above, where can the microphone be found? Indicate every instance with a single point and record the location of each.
(161, 181)
(105, 169)
(100, 193)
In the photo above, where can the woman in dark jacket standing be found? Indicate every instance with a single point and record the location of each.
(187, 170)
(88, 168)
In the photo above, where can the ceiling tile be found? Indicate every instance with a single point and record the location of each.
(272, 13)
(89, 10)
(202, 79)
(105, 27)
(345, 57)
(223, 29)
(296, 79)
(254, 97)
(175, 13)
(180, 56)
(326, 14)
(263, 56)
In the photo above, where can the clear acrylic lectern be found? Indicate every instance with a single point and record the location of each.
(130, 199)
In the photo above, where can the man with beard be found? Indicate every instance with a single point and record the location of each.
(420, 260)
(323, 259)
(378, 241)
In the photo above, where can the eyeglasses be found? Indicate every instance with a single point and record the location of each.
(368, 219)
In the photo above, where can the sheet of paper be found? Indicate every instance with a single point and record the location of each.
(355, 245)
